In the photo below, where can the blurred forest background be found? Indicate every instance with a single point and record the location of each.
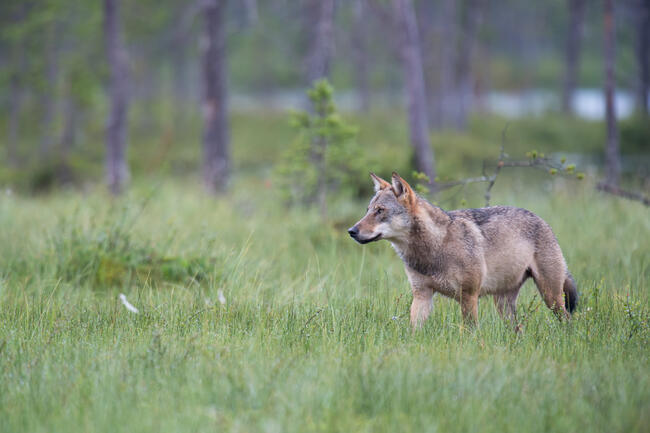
(121, 90)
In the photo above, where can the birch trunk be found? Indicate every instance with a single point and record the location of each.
(642, 54)
(216, 134)
(415, 88)
(116, 169)
(574, 36)
(612, 157)
(360, 50)
(321, 53)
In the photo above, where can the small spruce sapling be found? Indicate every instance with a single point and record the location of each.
(324, 157)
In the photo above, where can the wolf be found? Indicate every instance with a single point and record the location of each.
(468, 253)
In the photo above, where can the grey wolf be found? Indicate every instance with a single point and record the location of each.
(467, 253)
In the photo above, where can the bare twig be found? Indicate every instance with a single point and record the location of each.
(615, 190)
(313, 316)
(497, 170)
(535, 161)
(446, 185)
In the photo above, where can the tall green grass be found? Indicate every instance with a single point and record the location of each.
(314, 333)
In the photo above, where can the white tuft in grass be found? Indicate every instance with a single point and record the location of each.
(221, 297)
(127, 304)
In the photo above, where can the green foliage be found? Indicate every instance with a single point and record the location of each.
(635, 134)
(421, 181)
(108, 255)
(324, 154)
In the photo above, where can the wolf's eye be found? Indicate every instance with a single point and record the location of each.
(379, 211)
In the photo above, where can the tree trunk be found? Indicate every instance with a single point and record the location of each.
(116, 128)
(574, 36)
(321, 53)
(469, 26)
(252, 14)
(642, 48)
(180, 91)
(612, 157)
(15, 105)
(447, 103)
(69, 132)
(216, 135)
(49, 100)
(430, 46)
(67, 139)
(360, 50)
(415, 88)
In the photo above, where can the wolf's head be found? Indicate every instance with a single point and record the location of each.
(390, 212)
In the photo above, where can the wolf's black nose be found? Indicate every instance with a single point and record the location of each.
(354, 231)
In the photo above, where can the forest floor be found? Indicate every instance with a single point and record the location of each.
(256, 317)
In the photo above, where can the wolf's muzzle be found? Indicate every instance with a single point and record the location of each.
(354, 233)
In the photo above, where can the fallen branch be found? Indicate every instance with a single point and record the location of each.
(615, 190)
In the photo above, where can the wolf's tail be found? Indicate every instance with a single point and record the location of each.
(570, 293)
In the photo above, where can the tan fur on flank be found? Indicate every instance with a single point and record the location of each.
(468, 253)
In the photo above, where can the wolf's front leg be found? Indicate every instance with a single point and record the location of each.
(421, 306)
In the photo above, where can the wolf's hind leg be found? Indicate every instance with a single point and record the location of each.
(421, 306)
(469, 308)
(507, 305)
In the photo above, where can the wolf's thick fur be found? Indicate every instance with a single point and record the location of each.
(464, 254)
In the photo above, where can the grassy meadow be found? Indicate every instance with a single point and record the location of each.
(313, 334)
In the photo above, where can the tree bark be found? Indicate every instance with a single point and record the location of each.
(216, 134)
(69, 132)
(642, 54)
(429, 29)
(180, 91)
(574, 36)
(360, 50)
(252, 14)
(116, 128)
(447, 101)
(471, 18)
(415, 88)
(321, 53)
(612, 157)
(67, 139)
(49, 100)
(15, 105)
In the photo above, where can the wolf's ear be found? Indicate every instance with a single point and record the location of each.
(379, 182)
(402, 188)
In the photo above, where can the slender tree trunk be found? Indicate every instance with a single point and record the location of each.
(574, 36)
(252, 15)
(415, 88)
(15, 106)
(69, 132)
(318, 68)
(448, 101)
(430, 46)
(116, 129)
(612, 157)
(321, 53)
(49, 100)
(180, 91)
(360, 49)
(67, 139)
(642, 54)
(471, 19)
(216, 134)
